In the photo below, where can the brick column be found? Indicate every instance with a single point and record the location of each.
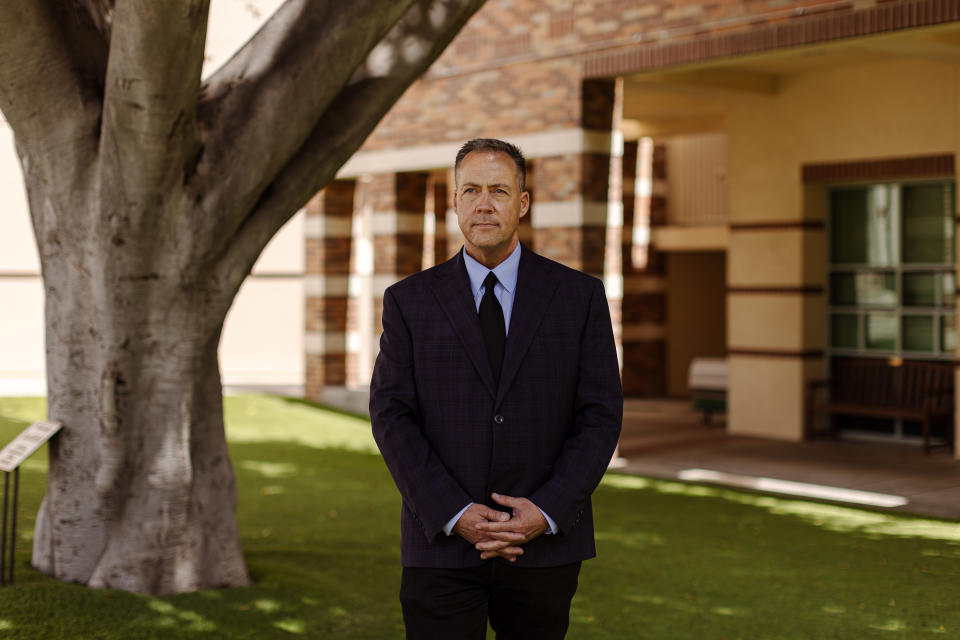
(526, 222)
(399, 204)
(569, 218)
(441, 190)
(454, 235)
(644, 305)
(328, 224)
(623, 186)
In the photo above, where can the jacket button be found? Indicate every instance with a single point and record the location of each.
(498, 419)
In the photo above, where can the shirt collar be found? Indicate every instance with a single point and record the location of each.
(506, 271)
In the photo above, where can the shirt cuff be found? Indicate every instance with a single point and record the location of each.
(448, 528)
(550, 522)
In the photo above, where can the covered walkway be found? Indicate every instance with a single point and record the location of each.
(666, 439)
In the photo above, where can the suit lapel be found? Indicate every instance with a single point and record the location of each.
(536, 285)
(452, 289)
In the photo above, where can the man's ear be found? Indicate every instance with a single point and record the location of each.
(524, 203)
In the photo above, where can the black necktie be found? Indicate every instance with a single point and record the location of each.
(493, 327)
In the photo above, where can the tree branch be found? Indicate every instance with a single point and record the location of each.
(52, 64)
(261, 106)
(153, 81)
(101, 15)
(400, 58)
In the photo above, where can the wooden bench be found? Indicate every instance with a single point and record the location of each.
(880, 388)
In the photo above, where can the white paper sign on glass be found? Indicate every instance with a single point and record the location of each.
(29, 440)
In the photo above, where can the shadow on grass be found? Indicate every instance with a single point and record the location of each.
(719, 563)
(321, 545)
(291, 400)
(318, 516)
(44, 608)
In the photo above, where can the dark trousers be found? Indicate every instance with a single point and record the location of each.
(533, 604)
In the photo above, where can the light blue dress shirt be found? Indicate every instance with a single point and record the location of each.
(504, 290)
(506, 286)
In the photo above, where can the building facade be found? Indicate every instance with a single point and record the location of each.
(768, 182)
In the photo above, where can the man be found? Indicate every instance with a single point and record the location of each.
(496, 403)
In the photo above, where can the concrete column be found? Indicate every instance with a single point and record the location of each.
(328, 224)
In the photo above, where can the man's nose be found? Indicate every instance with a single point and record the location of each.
(484, 201)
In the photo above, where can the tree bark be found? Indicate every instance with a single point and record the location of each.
(151, 198)
(141, 494)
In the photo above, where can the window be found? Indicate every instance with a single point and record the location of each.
(892, 282)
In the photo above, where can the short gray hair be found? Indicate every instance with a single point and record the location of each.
(495, 145)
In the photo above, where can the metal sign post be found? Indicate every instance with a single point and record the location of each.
(3, 530)
(11, 457)
(6, 578)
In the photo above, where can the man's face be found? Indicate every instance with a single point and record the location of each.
(489, 205)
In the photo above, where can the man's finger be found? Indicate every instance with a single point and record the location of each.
(507, 501)
(509, 536)
(501, 527)
(509, 553)
(490, 544)
(492, 515)
(485, 512)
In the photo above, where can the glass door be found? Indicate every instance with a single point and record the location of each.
(892, 279)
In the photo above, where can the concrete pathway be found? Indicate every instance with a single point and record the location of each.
(665, 439)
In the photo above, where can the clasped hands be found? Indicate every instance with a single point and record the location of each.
(498, 533)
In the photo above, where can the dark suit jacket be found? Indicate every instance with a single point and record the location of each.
(449, 437)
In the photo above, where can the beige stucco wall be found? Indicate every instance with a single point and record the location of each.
(889, 108)
(22, 369)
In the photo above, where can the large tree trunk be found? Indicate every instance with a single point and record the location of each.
(152, 195)
(141, 495)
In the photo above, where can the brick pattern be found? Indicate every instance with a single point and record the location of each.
(541, 66)
(579, 177)
(399, 202)
(397, 196)
(623, 182)
(577, 247)
(583, 178)
(564, 178)
(598, 98)
(644, 305)
(512, 100)
(885, 169)
(518, 65)
(454, 236)
(329, 258)
(792, 24)
(440, 189)
(643, 369)
(324, 370)
(327, 314)
(526, 222)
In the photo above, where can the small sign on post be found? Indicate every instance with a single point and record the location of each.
(11, 457)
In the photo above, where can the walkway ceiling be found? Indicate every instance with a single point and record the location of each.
(691, 98)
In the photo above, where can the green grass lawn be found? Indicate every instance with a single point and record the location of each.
(318, 514)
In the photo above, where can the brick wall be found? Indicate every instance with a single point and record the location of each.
(517, 66)
(542, 69)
